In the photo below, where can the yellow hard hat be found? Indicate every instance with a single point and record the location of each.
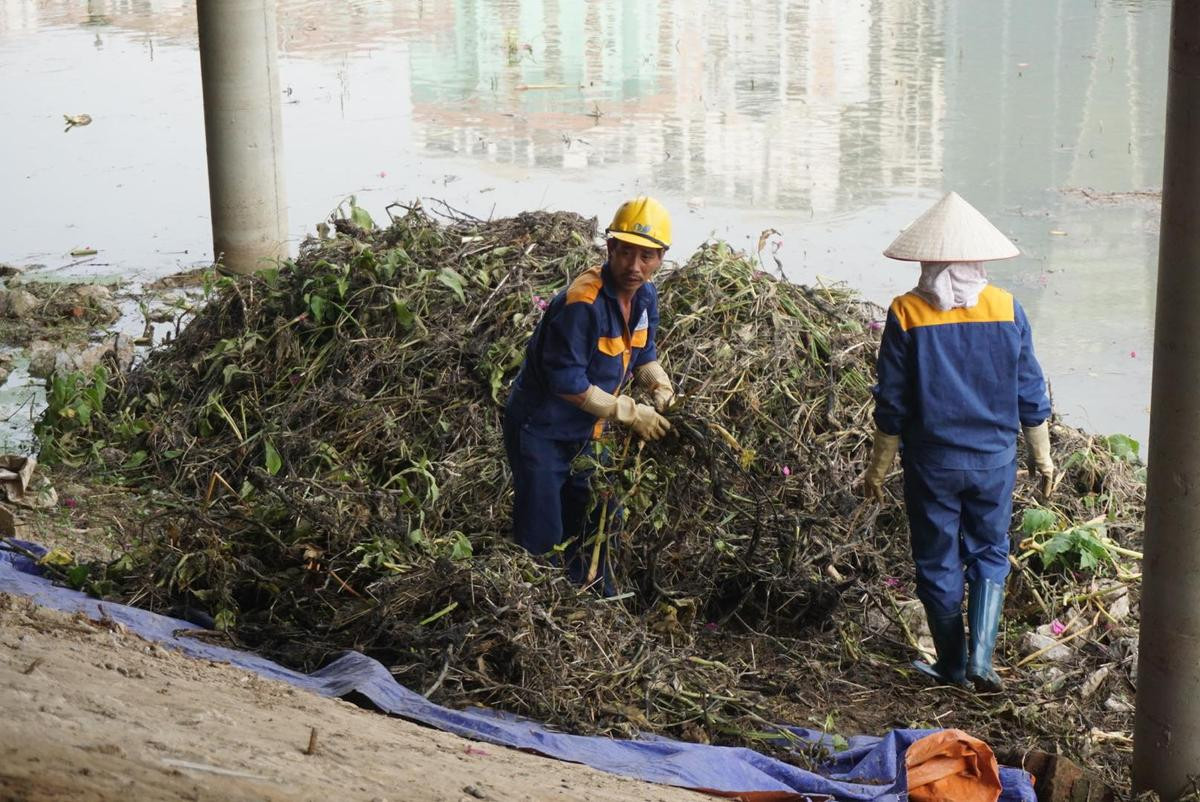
(642, 221)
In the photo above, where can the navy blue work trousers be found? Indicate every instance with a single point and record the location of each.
(958, 522)
(552, 503)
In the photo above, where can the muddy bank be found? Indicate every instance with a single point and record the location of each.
(93, 713)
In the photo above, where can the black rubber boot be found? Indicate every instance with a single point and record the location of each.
(985, 603)
(950, 643)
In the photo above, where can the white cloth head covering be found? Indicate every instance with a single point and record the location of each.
(951, 285)
(952, 231)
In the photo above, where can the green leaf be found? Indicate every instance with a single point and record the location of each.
(135, 459)
(224, 620)
(77, 575)
(1055, 548)
(360, 217)
(462, 548)
(1076, 458)
(1122, 446)
(274, 463)
(1036, 520)
(454, 281)
(404, 315)
(317, 305)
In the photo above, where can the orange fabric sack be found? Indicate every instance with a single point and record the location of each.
(951, 766)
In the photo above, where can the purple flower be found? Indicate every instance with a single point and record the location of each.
(70, 503)
(786, 471)
(711, 626)
(891, 581)
(875, 325)
(1057, 627)
(540, 302)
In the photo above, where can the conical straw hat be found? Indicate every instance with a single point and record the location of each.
(952, 231)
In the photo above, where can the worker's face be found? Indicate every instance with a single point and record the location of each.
(632, 265)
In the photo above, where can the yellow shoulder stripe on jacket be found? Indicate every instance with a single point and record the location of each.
(585, 287)
(994, 306)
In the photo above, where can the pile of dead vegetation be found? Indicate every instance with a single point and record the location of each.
(33, 310)
(320, 449)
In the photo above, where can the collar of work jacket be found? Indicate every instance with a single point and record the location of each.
(615, 337)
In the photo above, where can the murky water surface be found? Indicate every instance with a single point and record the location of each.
(834, 122)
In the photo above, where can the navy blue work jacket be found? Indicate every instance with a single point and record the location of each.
(957, 385)
(581, 340)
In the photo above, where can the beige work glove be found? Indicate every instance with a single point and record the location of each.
(883, 452)
(654, 380)
(1037, 443)
(642, 418)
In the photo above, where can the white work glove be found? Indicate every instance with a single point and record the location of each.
(642, 418)
(654, 380)
(883, 452)
(1037, 443)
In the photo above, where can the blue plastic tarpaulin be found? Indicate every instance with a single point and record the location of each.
(872, 768)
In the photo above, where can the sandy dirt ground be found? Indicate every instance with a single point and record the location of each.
(89, 713)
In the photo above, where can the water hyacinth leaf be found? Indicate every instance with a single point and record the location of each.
(1123, 447)
(360, 217)
(461, 550)
(274, 462)
(404, 315)
(454, 281)
(77, 575)
(1085, 543)
(316, 305)
(1036, 520)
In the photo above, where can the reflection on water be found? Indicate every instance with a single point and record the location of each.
(766, 105)
(833, 121)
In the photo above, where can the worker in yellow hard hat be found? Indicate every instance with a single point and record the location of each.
(594, 337)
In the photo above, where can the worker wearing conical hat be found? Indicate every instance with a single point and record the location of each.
(958, 380)
(593, 338)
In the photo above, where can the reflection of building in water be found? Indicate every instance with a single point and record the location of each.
(306, 27)
(1053, 97)
(1068, 94)
(745, 103)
